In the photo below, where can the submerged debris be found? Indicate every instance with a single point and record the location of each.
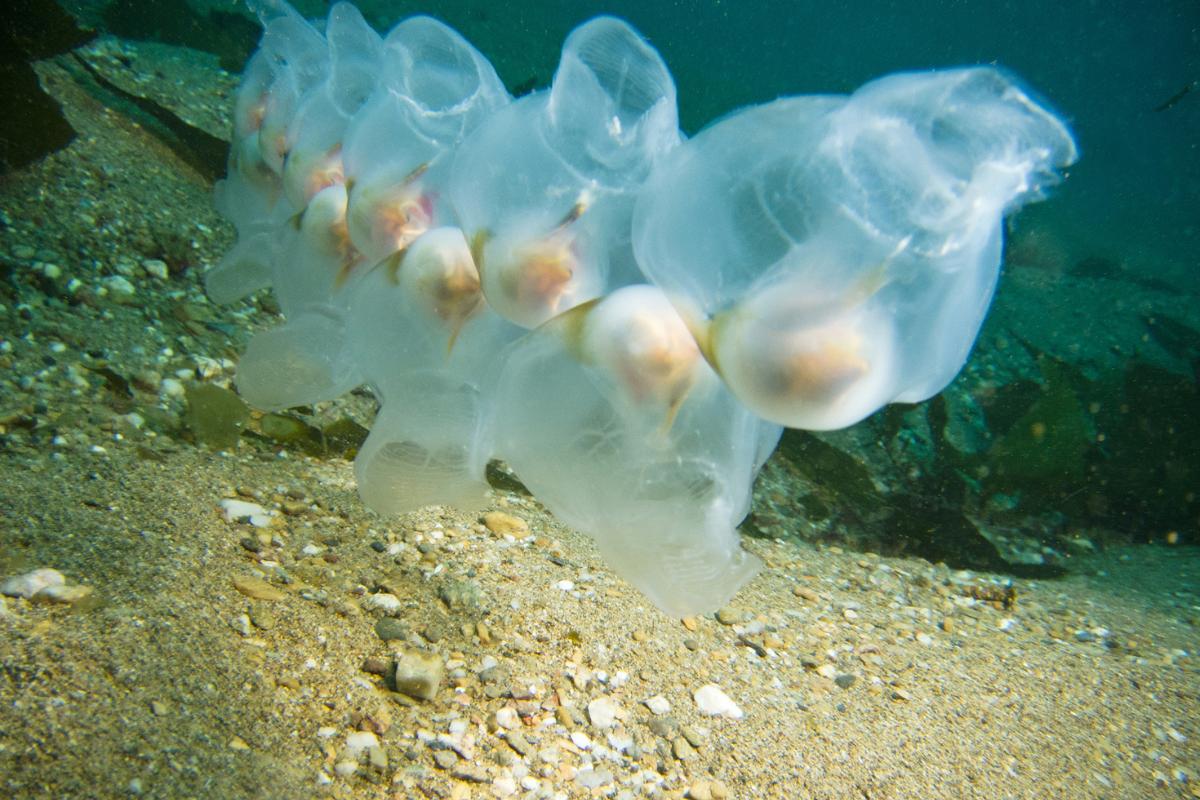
(1004, 597)
(215, 416)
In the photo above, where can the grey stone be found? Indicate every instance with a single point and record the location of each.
(419, 674)
(389, 628)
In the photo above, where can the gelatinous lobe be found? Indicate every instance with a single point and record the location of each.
(837, 254)
(616, 423)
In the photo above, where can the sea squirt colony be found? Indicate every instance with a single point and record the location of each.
(563, 281)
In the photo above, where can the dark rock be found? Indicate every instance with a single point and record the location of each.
(389, 628)
(32, 125)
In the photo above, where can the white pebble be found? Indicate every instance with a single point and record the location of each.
(243, 511)
(603, 712)
(170, 387)
(387, 603)
(507, 718)
(658, 705)
(156, 268)
(620, 742)
(358, 742)
(590, 778)
(241, 624)
(581, 740)
(31, 583)
(565, 585)
(712, 700)
(118, 288)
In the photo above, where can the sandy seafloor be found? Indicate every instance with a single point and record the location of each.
(859, 676)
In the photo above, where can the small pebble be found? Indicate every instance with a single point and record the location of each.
(358, 742)
(508, 718)
(664, 726)
(419, 674)
(658, 705)
(731, 616)
(119, 289)
(375, 666)
(681, 749)
(245, 511)
(60, 593)
(470, 772)
(806, 593)
(389, 628)
(518, 743)
(241, 624)
(461, 595)
(504, 786)
(156, 268)
(30, 583)
(603, 712)
(503, 524)
(262, 618)
(383, 601)
(713, 701)
(590, 778)
(257, 588)
(692, 735)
